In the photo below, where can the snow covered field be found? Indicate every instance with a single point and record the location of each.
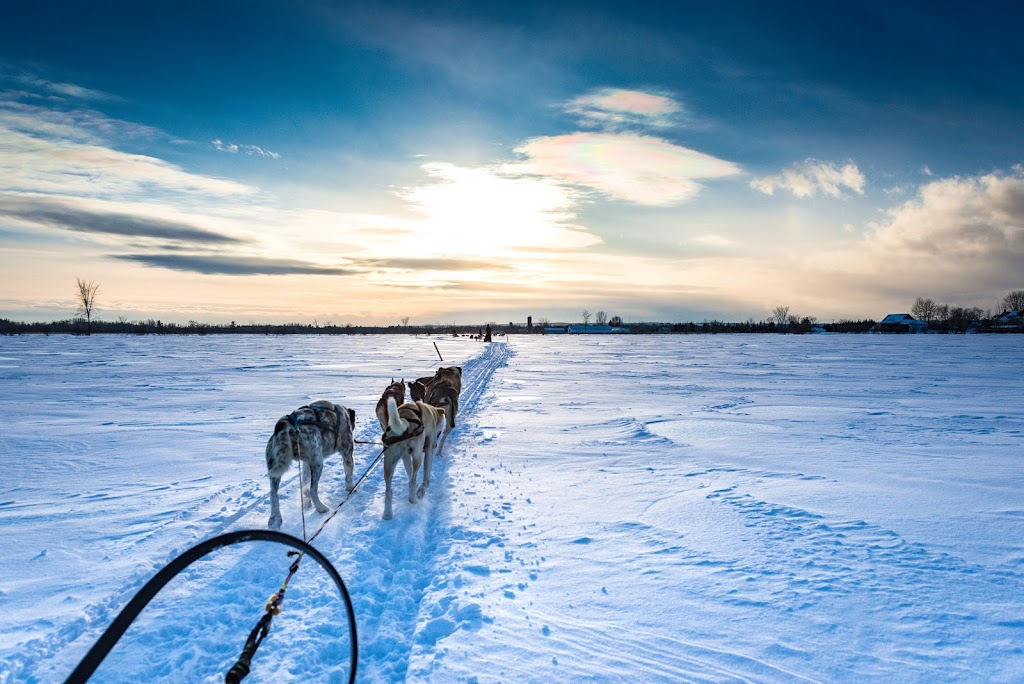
(659, 508)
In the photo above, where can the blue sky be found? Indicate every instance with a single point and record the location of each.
(361, 162)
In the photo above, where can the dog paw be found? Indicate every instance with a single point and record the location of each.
(275, 522)
(420, 492)
(322, 508)
(388, 515)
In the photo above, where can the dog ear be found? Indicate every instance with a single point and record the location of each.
(352, 416)
(459, 368)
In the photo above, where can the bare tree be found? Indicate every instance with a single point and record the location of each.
(615, 321)
(1014, 301)
(405, 323)
(924, 309)
(87, 292)
(600, 318)
(586, 318)
(780, 315)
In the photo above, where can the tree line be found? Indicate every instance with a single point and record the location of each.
(948, 318)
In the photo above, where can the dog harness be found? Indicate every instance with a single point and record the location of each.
(414, 416)
(296, 419)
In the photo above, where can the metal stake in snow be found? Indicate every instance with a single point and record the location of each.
(438, 352)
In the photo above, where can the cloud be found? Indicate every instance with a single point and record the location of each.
(433, 264)
(615, 108)
(711, 240)
(63, 153)
(58, 213)
(635, 168)
(807, 178)
(975, 219)
(60, 91)
(233, 148)
(232, 265)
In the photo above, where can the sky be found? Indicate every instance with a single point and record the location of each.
(349, 162)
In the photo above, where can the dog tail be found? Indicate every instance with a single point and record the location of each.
(396, 425)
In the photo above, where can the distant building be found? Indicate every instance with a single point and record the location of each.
(1008, 321)
(555, 329)
(901, 323)
(576, 328)
(1012, 317)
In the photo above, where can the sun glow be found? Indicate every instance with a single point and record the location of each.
(478, 212)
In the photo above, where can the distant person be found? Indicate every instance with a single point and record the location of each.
(487, 334)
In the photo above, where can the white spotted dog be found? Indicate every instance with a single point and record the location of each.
(412, 432)
(308, 435)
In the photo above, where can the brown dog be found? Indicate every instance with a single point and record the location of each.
(443, 392)
(418, 387)
(411, 435)
(396, 390)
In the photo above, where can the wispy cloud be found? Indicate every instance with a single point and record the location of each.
(56, 90)
(712, 240)
(635, 168)
(208, 264)
(615, 108)
(808, 178)
(69, 153)
(433, 264)
(63, 214)
(233, 148)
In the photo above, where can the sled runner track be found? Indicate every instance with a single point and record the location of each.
(387, 565)
(395, 562)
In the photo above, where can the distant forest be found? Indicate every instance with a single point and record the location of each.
(79, 326)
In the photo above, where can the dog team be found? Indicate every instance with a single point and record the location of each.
(410, 431)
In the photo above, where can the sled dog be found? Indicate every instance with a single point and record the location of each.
(396, 390)
(308, 435)
(418, 388)
(443, 392)
(411, 435)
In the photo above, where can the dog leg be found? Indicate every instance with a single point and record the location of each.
(412, 468)
(275, 506)
(389, 471)
(315, 470)
(428, 462)
(350, 466)
(444, 438)
(304, 484)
